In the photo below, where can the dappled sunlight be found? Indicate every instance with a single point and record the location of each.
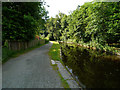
(87, 40)
(55, 42)
(54, 50)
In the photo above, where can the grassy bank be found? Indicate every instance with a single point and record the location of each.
(54, 54)
(7, 54)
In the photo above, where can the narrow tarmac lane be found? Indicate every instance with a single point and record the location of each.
(30, 70)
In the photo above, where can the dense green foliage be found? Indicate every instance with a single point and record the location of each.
(55, 27)
(22, 20)
(94, 23)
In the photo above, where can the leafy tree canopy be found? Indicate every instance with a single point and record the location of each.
(22, 20)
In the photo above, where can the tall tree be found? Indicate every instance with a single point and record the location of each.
(22, 20)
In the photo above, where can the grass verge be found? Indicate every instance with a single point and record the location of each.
(54, 54)
(54, 51)
(7, 54)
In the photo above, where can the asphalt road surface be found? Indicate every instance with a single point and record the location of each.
(30, 70)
